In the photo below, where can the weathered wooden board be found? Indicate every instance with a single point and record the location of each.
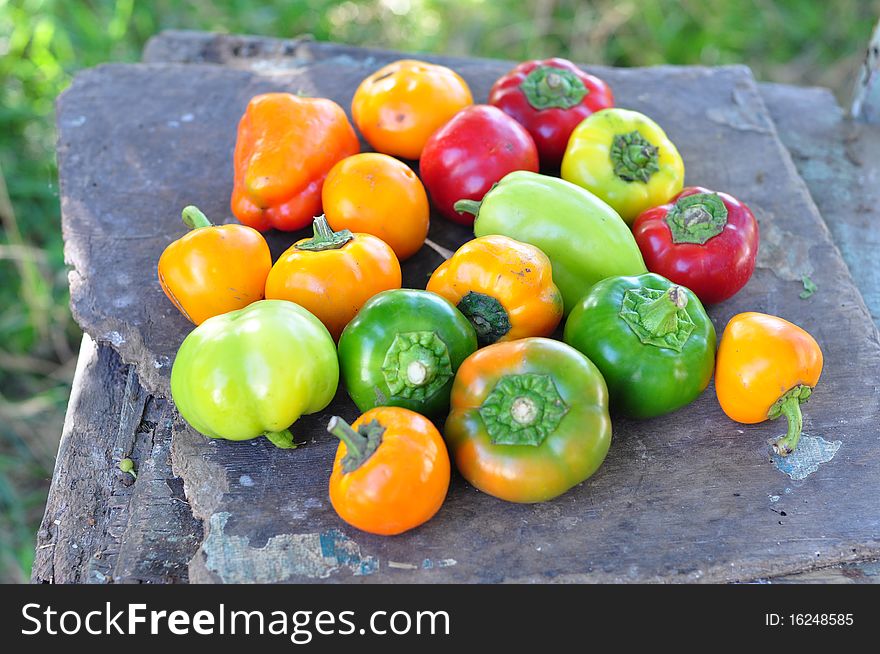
(158, 546)
(666, 505)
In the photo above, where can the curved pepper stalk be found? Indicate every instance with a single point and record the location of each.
(789, 405)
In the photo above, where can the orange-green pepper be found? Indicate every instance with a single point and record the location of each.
(286, 146)
(766, 368)
(213, 269)
(504, 287)
(626, 159)
(529, 419)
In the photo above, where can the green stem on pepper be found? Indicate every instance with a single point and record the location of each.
(549, 87)
(468, 206)
(522, 409)
(416, 365)
(359, 444)
(194, 218)
(697, 218)
(789, 405)
(324, 237)
(660, 317)
(282, 439)
(634, 157)
(488, 316)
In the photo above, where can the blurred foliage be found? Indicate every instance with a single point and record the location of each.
(44, 42)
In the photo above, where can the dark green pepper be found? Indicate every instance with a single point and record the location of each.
(651, 339)
(584, 238)
(402, 349)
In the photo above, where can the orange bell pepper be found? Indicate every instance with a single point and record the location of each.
(400, 105)
(286, 145)
(391, 471)
(504, 287)
(214, 269)
(379, 195)
(767, 367)
(332, 274)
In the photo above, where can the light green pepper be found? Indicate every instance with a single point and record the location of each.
(584, 238)
(254, 372)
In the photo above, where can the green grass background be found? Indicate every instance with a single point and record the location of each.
(44, 42)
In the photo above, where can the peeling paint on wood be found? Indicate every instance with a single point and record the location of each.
(811, 452)
(283, 558)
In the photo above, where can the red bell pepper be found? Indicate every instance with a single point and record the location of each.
(703, 240)
(463, 159)
(550, 98)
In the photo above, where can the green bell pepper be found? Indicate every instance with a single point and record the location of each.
(254, 372)
(651, 339)
(584, 238)
(402, 349)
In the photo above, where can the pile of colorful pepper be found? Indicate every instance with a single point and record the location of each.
(524, 417)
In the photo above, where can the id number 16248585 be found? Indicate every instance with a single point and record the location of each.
(809, 619)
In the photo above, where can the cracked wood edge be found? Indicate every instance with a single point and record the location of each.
(99, 522)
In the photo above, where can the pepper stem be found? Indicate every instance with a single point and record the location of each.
(324, 237)
(468, 206)
(488, 316)
(282, 439)
(697, 218)
(354, 442)
(789, 405)
(194, 218)
(660, 317)
(549, 87)
(634, 158)
(416, 365)
(416, 372)
(360, 444)
(522, 409)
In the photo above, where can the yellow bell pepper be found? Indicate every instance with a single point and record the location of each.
(626, 159)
